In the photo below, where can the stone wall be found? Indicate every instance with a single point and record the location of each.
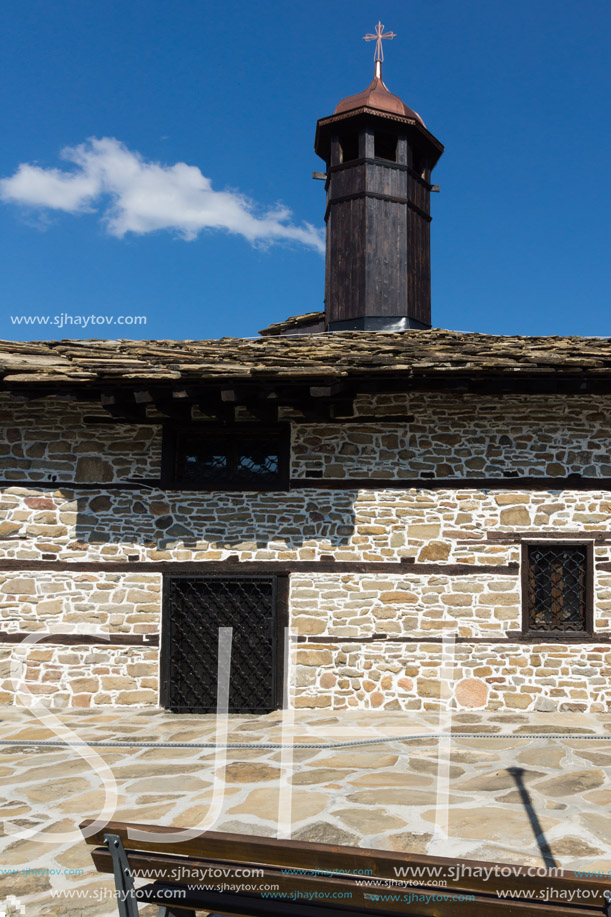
(80, 602)
(426, 605)
(399, 676)
(374, 607)
(361, 605)
(419, 524)
(450, 435)
(102, 604)
(48, 439)
(385, 674)
(79, 676)
(548, 436)
(447, 435)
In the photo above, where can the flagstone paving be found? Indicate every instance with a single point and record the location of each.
(456, 797)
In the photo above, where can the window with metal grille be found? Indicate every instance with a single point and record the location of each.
(236, 459)
(254, 607)
(557, 588)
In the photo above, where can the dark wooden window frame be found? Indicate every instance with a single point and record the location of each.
(281, 621)
(553, 635)
(170, 454)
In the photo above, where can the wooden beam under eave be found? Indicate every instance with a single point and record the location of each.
(265, 411)
(342, 408)
(173, 408)
(121, 405)
(327, 391)
(132, 413)
(315, 411)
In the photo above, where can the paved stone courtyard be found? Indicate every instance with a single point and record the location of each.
(456, 796)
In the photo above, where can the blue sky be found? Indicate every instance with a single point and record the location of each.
(205, 97)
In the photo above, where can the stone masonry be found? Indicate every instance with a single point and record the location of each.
(445, 436)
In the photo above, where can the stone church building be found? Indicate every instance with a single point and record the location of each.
(386, 494)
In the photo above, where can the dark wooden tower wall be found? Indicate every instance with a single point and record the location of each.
(378, 273)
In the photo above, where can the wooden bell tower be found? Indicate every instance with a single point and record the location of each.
(379, 158)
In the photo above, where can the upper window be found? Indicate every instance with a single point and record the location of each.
(558, 588)
(385, 147)
(349, 145)
(228, 459)
(420, 166)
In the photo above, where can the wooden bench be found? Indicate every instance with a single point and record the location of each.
(328, 881)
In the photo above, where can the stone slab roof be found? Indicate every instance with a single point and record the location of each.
(329, 356)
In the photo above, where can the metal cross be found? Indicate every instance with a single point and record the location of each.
(379, 35)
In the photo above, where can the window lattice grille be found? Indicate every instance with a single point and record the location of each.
(229, 461)
(557, 588)
(197, 609)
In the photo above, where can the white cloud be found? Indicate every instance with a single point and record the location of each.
(137, 196)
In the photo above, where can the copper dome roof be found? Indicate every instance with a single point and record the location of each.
(378, 97)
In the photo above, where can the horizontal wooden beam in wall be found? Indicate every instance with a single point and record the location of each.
(378, 419)
(452, 483)
(503, 640)
(82, 639)
(551, 484)
(245, 568)
(596, 535)
(153, 639)
(86, 485)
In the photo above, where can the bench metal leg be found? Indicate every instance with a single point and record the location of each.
(124, 883)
